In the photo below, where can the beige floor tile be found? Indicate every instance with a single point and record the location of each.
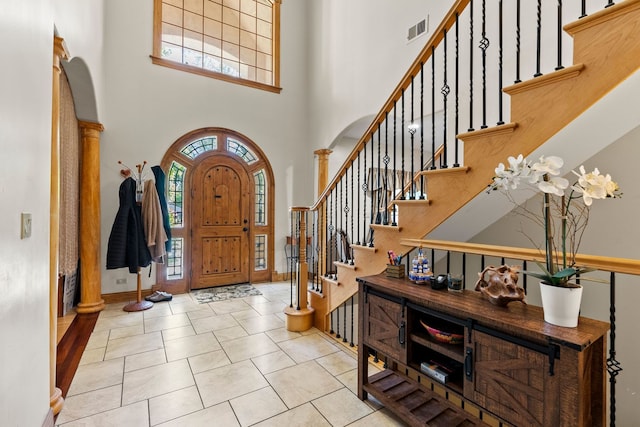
(230, 333)
(175, 333)
(228, 382)
(281, 334)
(92, 356)
(144, 360)
(205, 311)
(213, 323)
(166, 322)
(207, 361)
(273, 362)
(97, 375)
(133, 415)
(90, 403)
(174, 405)
(281, 316)
(185, 306)
(341, 407)
(248, 347)
(222, 414)
(255, 299)
(302, 383)
(128, 331)
(302, 416)
(381, 418)
(122, 320)
(155, 381)
(133, 345)
(350, 380)
(253, 325)
(158, 310)
(338, 363)
(97, 340)
(308, 347)
(229, 306)
(270, 307)
(245, 314)
(257, 406)
(184, 347)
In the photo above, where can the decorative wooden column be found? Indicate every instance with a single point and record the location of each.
(300, 318)
(323, 168)
(319, 302)
(59, 52)
(90, 279)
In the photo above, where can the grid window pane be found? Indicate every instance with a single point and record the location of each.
(208, 34)
(261, 197)
(175, 258)
(241, 150)
(199, 146)
(261, 252)
(175, 193)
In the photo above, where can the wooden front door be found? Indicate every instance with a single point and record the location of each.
(220, 223)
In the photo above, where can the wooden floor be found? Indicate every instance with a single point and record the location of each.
(71, 347)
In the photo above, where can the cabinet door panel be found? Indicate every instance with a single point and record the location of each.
(383, 328)
(512, 381)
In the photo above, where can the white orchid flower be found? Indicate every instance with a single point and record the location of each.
(548, 165)
(555, 185)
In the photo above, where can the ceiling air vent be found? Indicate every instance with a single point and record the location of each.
(418, 29)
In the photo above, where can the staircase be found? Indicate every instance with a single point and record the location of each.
(606, 46)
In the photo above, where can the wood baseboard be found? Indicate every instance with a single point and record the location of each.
(128, 296)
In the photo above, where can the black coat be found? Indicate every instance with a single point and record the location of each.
(158, 173)
(127, 246)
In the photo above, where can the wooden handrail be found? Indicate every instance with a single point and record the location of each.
(602, 263)
(425, 53)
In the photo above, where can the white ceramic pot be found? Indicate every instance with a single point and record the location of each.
(561, 305)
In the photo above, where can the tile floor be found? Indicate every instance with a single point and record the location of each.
(226, 363)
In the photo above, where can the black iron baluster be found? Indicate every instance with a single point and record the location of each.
(330, 236)
(344, 329)
(609, 4)
(422, 196)
(464, 269)
(364, 196)
(290, 260)
(500, 94)
(402, 148)
(338, 224)
(445, 90)
(448, 262)
(482, 264)
(351, 344)
(584, 9)
(395, 171)
(456, 162)
(484, 45)
(524, 276)
(613, 366)
(433, 108)
(352, 206)
(374, 218)
(358, 206)
(412, 131)
(470, 66)
(337, 310)
(339, 211)
(538, 38)
(386, 168)
(517, 80)
(560, 66)
(331, 331)
(378, 184)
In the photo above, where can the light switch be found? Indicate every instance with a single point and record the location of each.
(25, 225)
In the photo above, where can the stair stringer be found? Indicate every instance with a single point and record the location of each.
(607, 43)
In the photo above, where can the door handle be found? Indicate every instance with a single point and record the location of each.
(245, 229)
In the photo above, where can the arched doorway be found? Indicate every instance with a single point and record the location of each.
(221, 206)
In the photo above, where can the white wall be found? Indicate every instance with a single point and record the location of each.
(25, 141)
(358, 53)
(147, 107)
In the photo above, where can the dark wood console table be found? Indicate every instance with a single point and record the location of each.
(507, 362)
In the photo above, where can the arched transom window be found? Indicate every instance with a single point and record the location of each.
(232, 40)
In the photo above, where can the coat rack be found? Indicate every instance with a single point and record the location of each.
(140, 303)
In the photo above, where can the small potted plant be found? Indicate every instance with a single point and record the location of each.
(564, 220)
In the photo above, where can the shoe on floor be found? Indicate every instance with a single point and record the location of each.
(159, 296)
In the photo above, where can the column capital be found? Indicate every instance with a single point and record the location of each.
(90, 127)
(323, 152)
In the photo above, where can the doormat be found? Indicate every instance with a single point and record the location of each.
(221, 293)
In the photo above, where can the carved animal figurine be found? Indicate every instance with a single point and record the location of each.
(502, 285)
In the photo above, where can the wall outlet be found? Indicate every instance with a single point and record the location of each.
(25, 225)
(121, 281)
